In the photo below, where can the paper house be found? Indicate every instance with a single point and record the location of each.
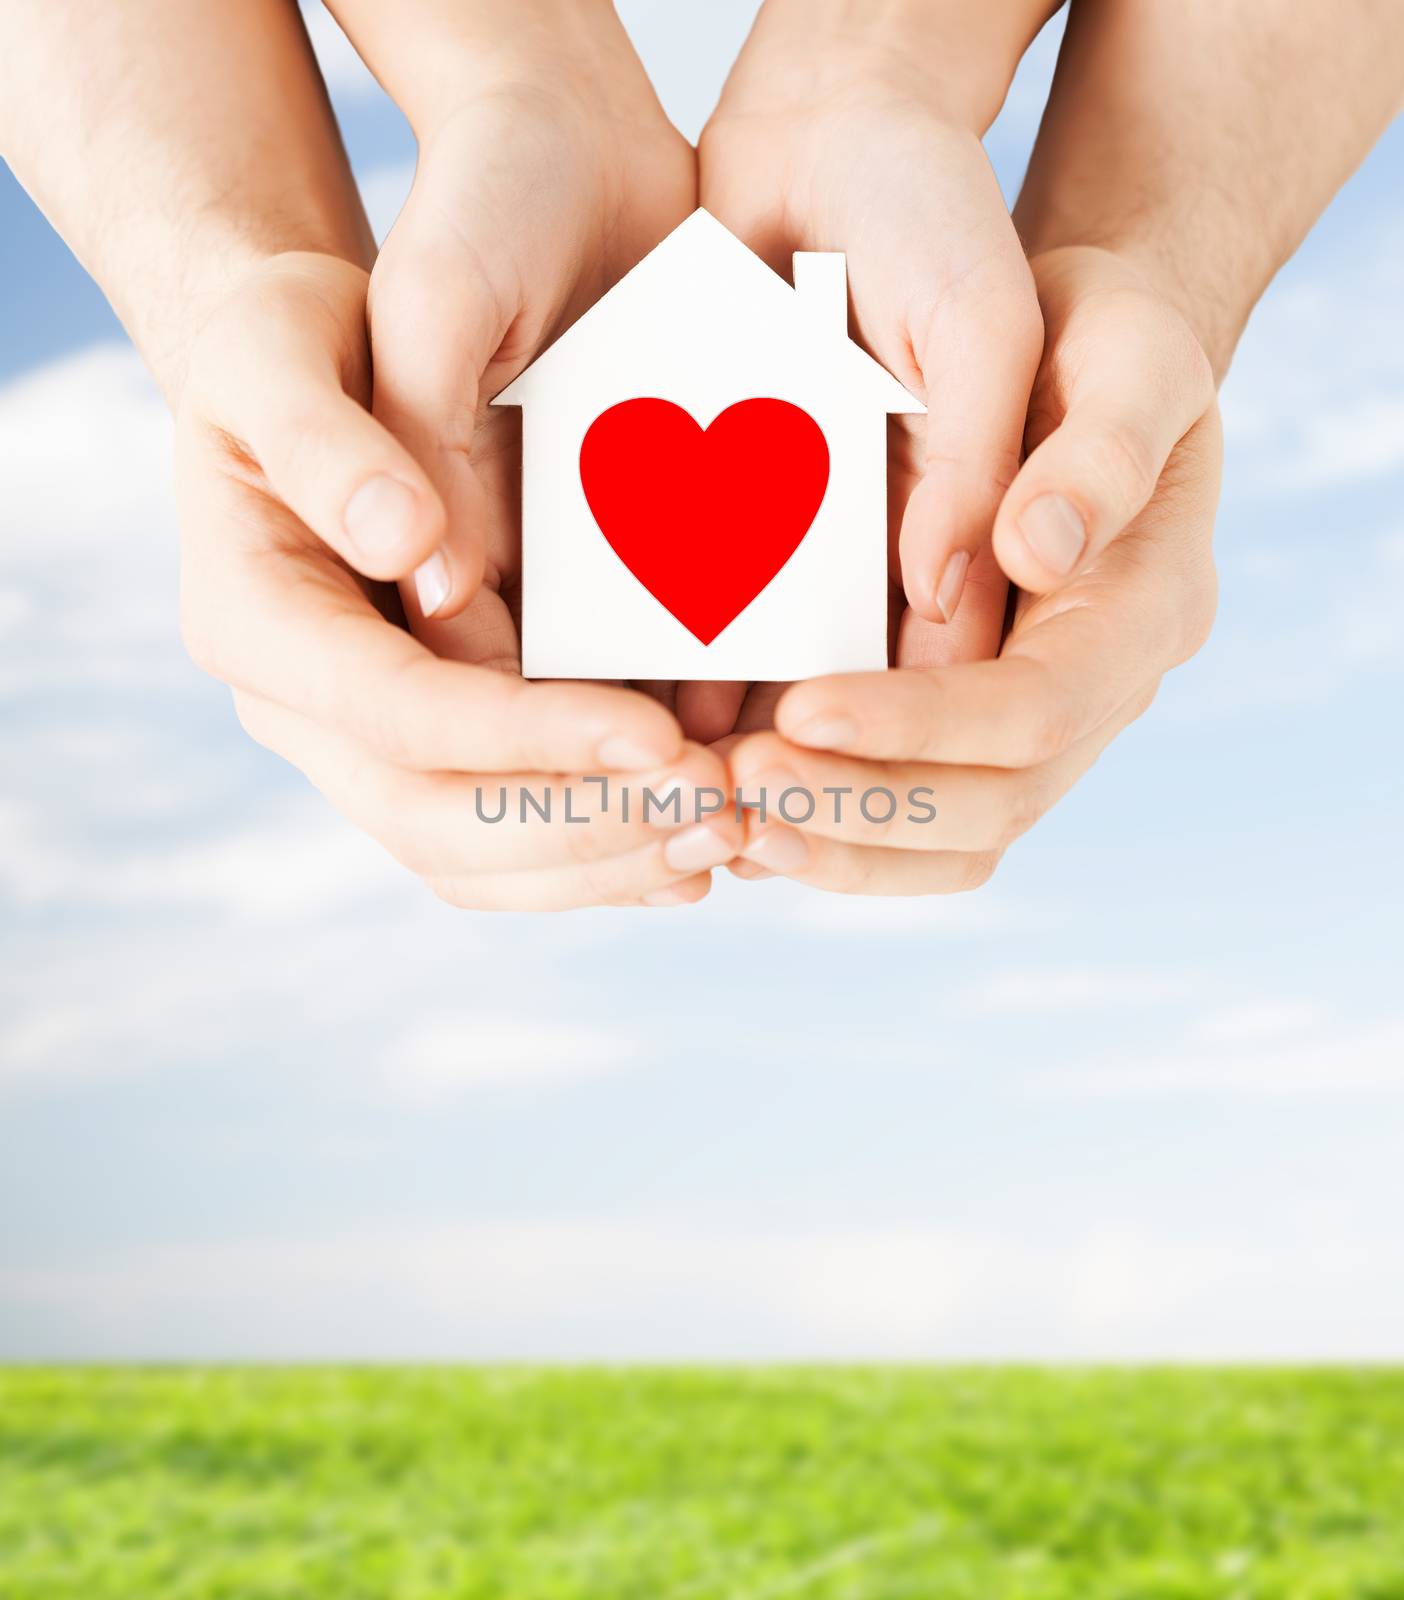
(704, 475)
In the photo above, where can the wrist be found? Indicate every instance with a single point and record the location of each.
(955, 58)
(1211, 283)
(167, 328)
(573, 52)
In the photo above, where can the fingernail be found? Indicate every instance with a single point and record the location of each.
(697, 850)
(1054, 531)
(379, 519)
(749, 871)
(952, 584)
(828, 733)
(431, 583)
(620, 752)
(782, 850)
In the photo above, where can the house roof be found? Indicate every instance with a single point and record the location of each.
(703, 250)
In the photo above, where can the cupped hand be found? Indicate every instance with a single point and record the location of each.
(540, 187)
(829, 138)
(275, 453)
(1123, 428)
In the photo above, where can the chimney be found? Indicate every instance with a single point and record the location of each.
(821, 282)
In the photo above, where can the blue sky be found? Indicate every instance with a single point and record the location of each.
(261, 1096)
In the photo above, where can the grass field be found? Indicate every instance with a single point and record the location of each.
(882, 1484)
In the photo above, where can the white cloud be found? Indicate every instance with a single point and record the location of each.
(305, 863)
(1348, 1063)
(299, 861)
(85, 449)
(87, 529)
(443, 1057)
(779, 903)
(1257, 1019)
(1333, 623)
(30, 864)
(1036, 989)
(592, 1289)
(1346, 446)
(1315, 399)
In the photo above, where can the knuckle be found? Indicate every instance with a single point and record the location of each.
(976, 870)
(252, 714)
(292, 449)
(1025, 802)
(455, 892)
(391, 720)
(1050, 726)
(444, 889)
(1192, 360)
(1144, 700)
(1198, 611)
(200, 644)
(1121, 464)
(522, 712)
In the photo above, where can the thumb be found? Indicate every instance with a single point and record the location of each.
(1141, 383)
(435, 327)
(274, 387)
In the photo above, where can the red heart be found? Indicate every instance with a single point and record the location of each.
(704, 519)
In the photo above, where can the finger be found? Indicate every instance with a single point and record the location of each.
(852, 869)
(444, 824)
(1020, 710)
(621, 880)
(978, 351)
(1135, 383)
(913, 806)
(1072, 660)
(758, 708)
(663, 690)
(436, 319)
(686, 892)
(317, 646)
(281, 402)
(973, 634)
(708, 711)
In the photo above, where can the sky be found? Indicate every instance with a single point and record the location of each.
(261, 1096)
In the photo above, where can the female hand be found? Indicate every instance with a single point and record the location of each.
(274, 453)
(1124, 428)
(855, 128)
(546, 170)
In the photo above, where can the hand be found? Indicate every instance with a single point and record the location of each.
(539, 185)
(273, 445)
(829, 136)
(1122, 425)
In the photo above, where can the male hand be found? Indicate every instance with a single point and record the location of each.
(1124, 429)
(277, 462)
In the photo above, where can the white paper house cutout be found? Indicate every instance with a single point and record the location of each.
(703, 322)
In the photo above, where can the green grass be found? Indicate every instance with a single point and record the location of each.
(884, 1484)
